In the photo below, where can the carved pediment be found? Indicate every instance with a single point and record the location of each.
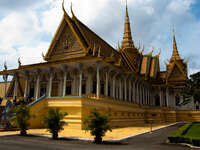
(65, 45)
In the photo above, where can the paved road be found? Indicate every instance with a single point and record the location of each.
(155, 141)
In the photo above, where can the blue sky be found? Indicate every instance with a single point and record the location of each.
(27, 26)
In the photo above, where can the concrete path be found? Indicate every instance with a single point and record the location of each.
(155, 141)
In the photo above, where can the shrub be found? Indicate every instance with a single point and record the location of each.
(54, 122)
(98, 125)
(21, 118)
(180, 136)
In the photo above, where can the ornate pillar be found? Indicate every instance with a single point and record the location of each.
(26, 85)
(37, 92)
(5, 78)
(98, 80)
(140, 93)
(114, 86)
(64, 83)
(137, 92)
(120, 89)
(134, 88)
(160, 92)
(15, 86)
(125, 89)
(50, 84)
(167, 96)
(130, 91)
(106, 87)
(80, 79)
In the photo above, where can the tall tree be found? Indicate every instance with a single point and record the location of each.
(192, 89)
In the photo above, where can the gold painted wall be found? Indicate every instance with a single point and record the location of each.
(123, 113)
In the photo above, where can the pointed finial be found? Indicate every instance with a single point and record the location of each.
(173, 30)
(142, 50)
(139, 46)
(175, 54)
(43, 55)
(72, 10)
(126, 8)
(5, 66)
(158, 55)
(153, 48)
(19, 62)
(118, 46)
(63, 5)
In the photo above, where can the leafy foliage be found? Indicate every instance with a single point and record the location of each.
(21, 118)
(192, 89)
(54, 122)
(97, 124)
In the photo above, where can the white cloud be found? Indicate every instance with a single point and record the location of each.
(151, 22)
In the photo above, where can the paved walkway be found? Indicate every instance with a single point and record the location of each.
(155, 141)
(116, 134)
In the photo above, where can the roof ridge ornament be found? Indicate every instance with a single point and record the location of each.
(72, 11)
(19, 62)
(5, 66)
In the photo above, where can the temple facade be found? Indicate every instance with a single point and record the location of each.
(81, 71)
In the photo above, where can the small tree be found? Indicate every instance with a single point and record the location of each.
(54, 122)
(98, 125)
(192, 89)
(21, 118)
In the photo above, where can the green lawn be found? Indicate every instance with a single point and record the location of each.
(194, 130)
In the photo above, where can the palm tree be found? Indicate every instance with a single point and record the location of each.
(98, 125)
(21, 118)
(54, 122)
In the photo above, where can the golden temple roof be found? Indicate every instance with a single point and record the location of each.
(175, 54)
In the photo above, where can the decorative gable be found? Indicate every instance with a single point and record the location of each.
(65, 45)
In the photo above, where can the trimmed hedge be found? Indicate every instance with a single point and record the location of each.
(179, 136)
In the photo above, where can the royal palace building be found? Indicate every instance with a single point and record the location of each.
(81, 72)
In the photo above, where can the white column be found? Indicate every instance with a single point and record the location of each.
(26, 87)
(160, 96)
(15, 87)
(37, 94)
(140, 91)
(50, 84)
(106, 87)
(120, 89)
(134, 89)
(167, 96)
(125, 89)
(130, 91)
(80, 82)
(114, 87)
(98, 80)
(5, 78)
(64, 83)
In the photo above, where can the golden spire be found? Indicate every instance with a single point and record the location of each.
(127, 41)
(175, 54)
